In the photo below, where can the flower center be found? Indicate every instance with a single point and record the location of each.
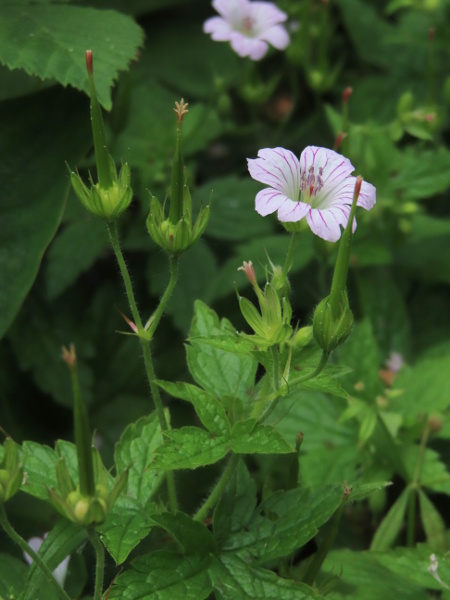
(247, 25)
(310, 184)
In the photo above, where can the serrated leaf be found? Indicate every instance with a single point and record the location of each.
(164, 576)
(207, 406)
(134, 452)
(433, 475)
(360, 491)
(234, 579)
(193, 536)
(35, 184)
(127, 523)
(50, 42)
(262, 439)
(218, 371)
(392, 523)
(284, 522)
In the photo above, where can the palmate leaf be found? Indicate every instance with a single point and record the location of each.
(50, 40)
(192, 447)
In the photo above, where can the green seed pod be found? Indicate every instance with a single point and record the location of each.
(331, 330)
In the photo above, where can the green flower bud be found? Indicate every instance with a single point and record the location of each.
(112, 195)
(11, 471)
(332, 328)
(176, 233)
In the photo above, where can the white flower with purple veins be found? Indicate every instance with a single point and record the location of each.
(318, 186)
(249, 26)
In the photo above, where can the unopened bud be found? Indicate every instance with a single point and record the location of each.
(330, 327)
(339, 139)
(346, 94)
(249, 271)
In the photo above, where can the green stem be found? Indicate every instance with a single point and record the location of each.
(9, 530)
(154, 320)
(290, 254)
(215, 495)
(148, 361)
(100, 562)
(114, 237)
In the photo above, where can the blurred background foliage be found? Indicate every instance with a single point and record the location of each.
(59, 279)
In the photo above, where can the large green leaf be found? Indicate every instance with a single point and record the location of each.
(164, 576)
(12, 574)
(235, 579)
(218, 371)
(37, 137)
(50, 41)
(284, 522)
(40, 467)
(192, 536)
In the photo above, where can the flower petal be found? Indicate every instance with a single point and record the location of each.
(325, 223)
(293, 211)
(219, 29)
(278, 168)
(231, 10)
(266, 14)
(277, 36)
(245, 46)
(367, 196)
(268, 201)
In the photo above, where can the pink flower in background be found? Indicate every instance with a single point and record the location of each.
(249, 26)
(318, 186)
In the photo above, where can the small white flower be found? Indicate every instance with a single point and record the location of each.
(249, 26)
(318, 187)
(60, 573)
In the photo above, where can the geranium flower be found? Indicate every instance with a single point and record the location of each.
(248, 26)
(318, 186)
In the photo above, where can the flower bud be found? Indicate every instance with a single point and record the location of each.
(331, 328)
(112, 195)
(176, 233)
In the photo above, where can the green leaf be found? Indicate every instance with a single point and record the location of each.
(207, 406)
(284, 522)
(35, 184)
(360, 491)
(234, 579)
(232, 217)
(62, 540)
(12, 575)
(40, 469)
(218, 371)
(50, 42)
(433, 475)
(390, 526)
(425, 388)
(193, 537)
(64, 265)
(191, 447)
(134, 451)
(127, 523)
(422, 174)
(164, 576)
(418, 252)
(433, 524)
(262, 439)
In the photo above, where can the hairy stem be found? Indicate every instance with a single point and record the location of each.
(99, 562)
(215, 495)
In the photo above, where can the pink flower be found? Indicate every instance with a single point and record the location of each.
(318, 187)
(248, 26)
